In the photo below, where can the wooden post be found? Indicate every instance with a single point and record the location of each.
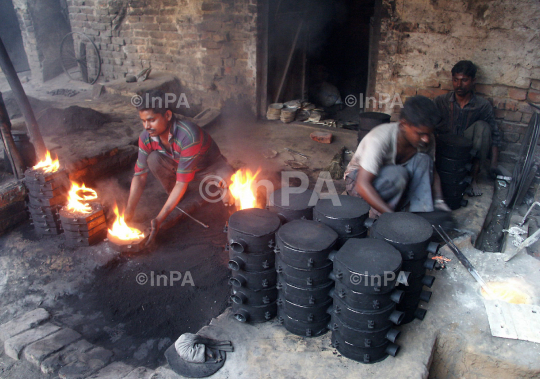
(17, 164)
(18, 91)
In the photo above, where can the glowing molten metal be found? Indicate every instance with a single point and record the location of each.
(242, 188)
(77, 197)
(48, 165)
(121, 231)
(505, 292)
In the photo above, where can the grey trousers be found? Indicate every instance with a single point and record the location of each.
(399, 185)
(480, 135)
(164, 169)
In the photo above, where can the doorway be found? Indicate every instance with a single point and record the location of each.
(317, 49)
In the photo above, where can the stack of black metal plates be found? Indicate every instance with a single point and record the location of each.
(290, 205)
(46, 194)
(251, 243)
(453, 162)
(410, 234)
(364, 308)
(304, 283)
(347, 216)
(84, 229)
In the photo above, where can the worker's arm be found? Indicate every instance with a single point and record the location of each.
(175, 196)
(137, 187)
(364, 187)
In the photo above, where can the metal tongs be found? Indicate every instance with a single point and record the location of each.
(463, 259)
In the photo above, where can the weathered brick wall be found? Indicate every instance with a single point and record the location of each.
(29, 37)
(421, 41)
(210, 45)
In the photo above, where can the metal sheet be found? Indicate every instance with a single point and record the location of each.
(513, 321)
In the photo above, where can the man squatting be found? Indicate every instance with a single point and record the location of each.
(176, 153)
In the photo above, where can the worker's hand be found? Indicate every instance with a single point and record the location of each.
(154, 228)
(440, 205)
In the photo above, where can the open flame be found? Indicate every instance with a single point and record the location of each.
(122, 231)
(48, 165)
(505, 292)
(242, 188)
(77, 197)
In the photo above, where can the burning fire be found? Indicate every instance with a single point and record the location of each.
(242, 188)
(77, 197)
(48, 165)
(505, 292)
(122, 231)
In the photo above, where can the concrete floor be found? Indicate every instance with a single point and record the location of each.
(453, 341)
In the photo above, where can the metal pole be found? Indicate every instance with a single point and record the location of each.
(18, 91)
(17, 164)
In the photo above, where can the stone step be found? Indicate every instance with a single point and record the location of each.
(67, 355)
(140, 373)
(38, 351)
(86, 364)
(23, 323)
(115, 370)
(14, 346)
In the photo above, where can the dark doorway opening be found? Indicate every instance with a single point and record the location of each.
(10, 33)
(318, 43)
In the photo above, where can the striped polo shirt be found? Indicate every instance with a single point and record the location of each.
(192, 148)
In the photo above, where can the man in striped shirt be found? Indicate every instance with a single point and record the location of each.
(176, 152)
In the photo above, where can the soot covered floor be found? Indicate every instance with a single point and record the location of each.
(107, 303)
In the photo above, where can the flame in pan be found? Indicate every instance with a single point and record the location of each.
(77, 196)
(122, 231)
(243, 189)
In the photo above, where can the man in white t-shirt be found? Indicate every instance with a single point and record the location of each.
(393, 165)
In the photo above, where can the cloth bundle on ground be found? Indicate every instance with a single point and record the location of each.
(196, 356)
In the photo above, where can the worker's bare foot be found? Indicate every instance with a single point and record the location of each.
(475, 190)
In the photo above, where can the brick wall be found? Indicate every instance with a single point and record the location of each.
(422, 40)
(209, 45)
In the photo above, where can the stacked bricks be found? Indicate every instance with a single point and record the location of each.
(60, 351)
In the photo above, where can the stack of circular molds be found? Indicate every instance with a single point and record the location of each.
(348, 218)
(288, 115)
(410, 234)
(364, 310)
(292, 206)
(251, 242)
(304, 270)
(84, 229)
(453, 163)
(46, 194)
(274, 111)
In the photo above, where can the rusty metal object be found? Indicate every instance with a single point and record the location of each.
(84, 229)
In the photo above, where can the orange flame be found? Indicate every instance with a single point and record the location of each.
(48, 165)
(242, 188)
(77, 196)
(122, 231)
(505, 292)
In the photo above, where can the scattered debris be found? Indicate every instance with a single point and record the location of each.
(336, 166)
(441, 261)
(296, 152)
(296, 165)
(63, 92)
(321, 137)
(270, 153)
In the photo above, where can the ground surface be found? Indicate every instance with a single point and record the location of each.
(95, 291)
